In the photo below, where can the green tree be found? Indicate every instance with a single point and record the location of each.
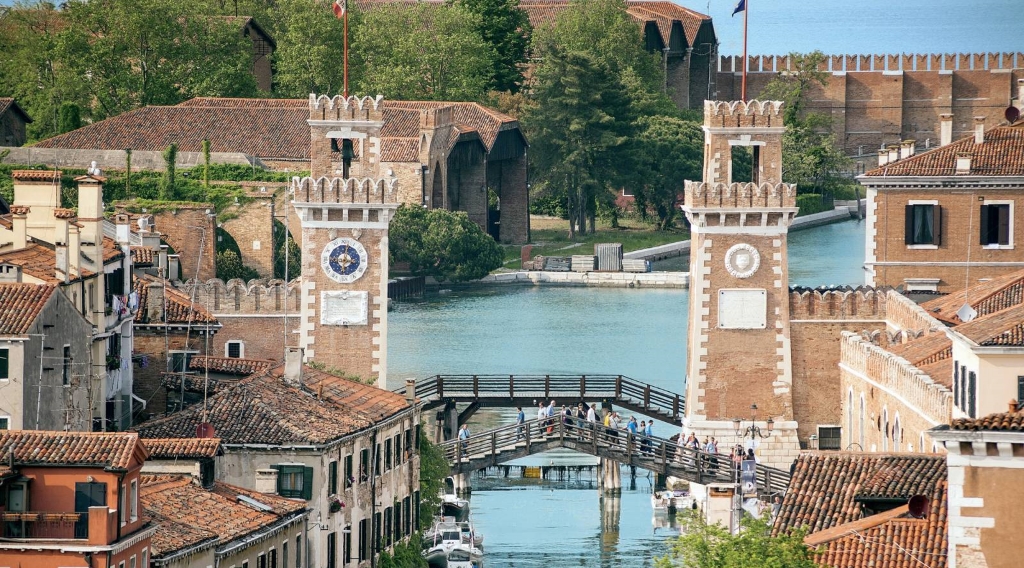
(310, 41)
(811, 156)
(423, 52)
(70, 117)
(168, 184)
(206, 163)
(579, 129)
(294, 253)
(666, 152)
(443, 244)
(229, 266)
(433, 469)
(711, 546)
(506, 28)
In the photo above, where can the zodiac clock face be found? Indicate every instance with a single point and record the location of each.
(344, 260)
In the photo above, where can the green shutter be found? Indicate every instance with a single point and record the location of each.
(332, 478)
(307, 483)
(4, 364)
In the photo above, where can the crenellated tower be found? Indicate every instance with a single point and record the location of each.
(345, 222)
(738, 351)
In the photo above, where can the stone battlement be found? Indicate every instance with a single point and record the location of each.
(837, 303)
(342, 108)
(934, 62)
(353, 191)
(740, 114)
(903, 314)
(896, 374)
(739, 195)
(265, 297)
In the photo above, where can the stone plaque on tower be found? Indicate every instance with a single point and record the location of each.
(345, 238)
(739, 340)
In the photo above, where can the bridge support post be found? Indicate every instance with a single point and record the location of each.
(462, 484)
(610, 476)
(610, 515)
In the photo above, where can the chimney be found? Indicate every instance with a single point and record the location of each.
(162, 261)
(293, 366)
(10, 273)
(174, 267)
(907, 148)
(19, 225)
(894, 152)
(123, 229)
(155, 302)
(74, 250)
(1013, 405)
(945, 129)
(410, 390)
(979, 129)
(963, 163)
(883, 156)
(61, 254)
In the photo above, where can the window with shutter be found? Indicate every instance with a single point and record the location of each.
(923, 224)
(995, 224)
(1020, 392)
(956, 384)
(294, 481)
(387, 454)
(332, 552)
(332, 478)
(348, 471)
(972, 394)
(963, 388)
(4, 364)
(364, 539)
(364, 464)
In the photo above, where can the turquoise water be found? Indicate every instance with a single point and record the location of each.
(639, 333)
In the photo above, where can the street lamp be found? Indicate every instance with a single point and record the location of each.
(754, 431)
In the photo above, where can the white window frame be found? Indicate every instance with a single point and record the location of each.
(934, 202)
(134, 500)
(7, 422)
(145, 558)
(7, 348)
(241, 348)
(124, 506)
(627, 192)
(1009, 245)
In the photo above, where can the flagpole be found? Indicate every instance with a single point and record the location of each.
(345, 73)
(743, 85)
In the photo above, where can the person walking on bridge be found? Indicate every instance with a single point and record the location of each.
(551, 416)
(520, 419)
(542, 413)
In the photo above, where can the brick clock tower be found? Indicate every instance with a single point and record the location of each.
(738, 351)
(345, 238)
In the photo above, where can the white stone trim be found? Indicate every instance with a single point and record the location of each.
(1011, 203)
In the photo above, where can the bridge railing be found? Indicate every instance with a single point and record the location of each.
(651, 452)
(577, 387)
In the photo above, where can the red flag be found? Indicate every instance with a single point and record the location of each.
(340, 7)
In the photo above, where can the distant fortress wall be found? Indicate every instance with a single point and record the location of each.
(881, 99)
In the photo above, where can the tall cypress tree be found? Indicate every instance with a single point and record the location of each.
(506, 27)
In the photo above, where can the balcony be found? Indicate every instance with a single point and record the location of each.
(42, 525)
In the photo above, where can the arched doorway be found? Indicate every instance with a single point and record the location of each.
(437, 189)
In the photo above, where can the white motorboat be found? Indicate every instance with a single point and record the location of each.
(469, 534)
(451, 504)
(671, 501)
(449, 548)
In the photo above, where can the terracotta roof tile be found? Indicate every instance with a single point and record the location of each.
(467, 116)
(1001, 154)
(182, 448)
(230, 365)
(986, 297)
(142, 256)
(21, 304)
(179, 304)
(940, 371)
(36, 175)
(194, 514)
(924, 350)
(193, 383)
(891, 539)
(826, 486)
(1005, 328)
(264, 409)
(111, 450)
(1003, 421)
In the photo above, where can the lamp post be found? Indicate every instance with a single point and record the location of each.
(753, 431)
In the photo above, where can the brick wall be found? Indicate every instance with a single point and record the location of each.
(959, 231)
(884, 98)
(472, 196)
(508, 177)
(182, 230)
(262, 337)
(253, 231)
(154, 346)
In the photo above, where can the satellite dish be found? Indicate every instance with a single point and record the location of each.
(918, 506)
(1012, 114)
(966, 313)
(205, 430)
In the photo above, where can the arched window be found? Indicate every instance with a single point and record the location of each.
(885, 430)
(863, 420)
(849, 418)
(896, 433)
(920, 445)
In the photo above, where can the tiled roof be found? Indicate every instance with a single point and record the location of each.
(940, 371)
(142, 256)
(20, 305)
(182, 448)
(985, 297)
(1000, 154)
(892, 539)
(179, 304)
(37, 261)
(194, 513)
(263, 409)
(1003, 421)
(36, 175)
(826, 486)
(111, 450)
(193, 383)
(229, 365)
(111, 250)
(924, 350)
(7, 103)
(270, 131)
(1004, 328)
(467, 116)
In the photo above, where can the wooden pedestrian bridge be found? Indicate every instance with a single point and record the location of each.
(505, 391)
(658, 455)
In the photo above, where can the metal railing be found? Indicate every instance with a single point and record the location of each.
(519, 390)
(42, 525)
(659, 455)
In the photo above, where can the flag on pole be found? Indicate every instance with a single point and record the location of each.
(741, 6)
(341, 6)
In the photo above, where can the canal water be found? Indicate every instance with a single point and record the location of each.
(550, 330)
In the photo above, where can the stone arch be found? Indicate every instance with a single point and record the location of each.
(437, 188)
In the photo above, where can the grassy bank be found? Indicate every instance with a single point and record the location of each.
(550, 237)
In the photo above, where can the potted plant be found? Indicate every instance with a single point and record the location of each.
(335, 503)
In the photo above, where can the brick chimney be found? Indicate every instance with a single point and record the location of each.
(979, 129)
(155, 302)
(883, 156)
(74, 250)
(124, 229)
(945, 129)
(293, 366)
(907, 148)
(19, 225)
(894, 152)
(173, 267)
(1013, 405)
